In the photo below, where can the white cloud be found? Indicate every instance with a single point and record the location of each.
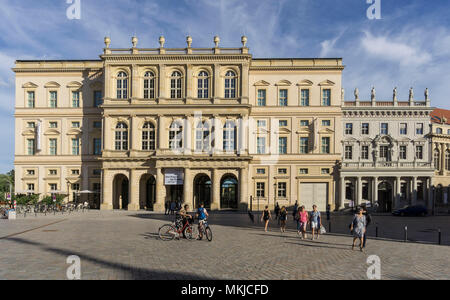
(382, 47)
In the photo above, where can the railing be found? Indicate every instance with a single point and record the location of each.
(387, 164)
(176, 51)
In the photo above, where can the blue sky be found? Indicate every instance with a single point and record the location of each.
(409, 46)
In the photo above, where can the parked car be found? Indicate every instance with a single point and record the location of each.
(411, 210)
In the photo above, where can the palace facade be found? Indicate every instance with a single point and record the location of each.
(141, 127)
(387, 153)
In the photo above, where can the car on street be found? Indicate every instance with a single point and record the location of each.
(411, 210)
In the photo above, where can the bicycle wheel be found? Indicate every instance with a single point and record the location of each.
(167, 232)
(191, 232)
(208, 233)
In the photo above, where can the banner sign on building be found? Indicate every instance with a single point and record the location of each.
(173, 177)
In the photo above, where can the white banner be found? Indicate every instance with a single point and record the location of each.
(173, 177)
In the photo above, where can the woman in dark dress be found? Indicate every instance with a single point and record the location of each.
(266, 216)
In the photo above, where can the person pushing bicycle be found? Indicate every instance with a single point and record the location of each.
(183, 214)
(202, 214)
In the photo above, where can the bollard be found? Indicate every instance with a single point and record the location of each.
(376, 231)
(329, 226)
(406, 233)
(439, 236)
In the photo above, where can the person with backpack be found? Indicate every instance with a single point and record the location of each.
(202, 214)
(283, 219)
(266, 216)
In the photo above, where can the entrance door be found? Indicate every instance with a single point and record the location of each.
(203, 191)
(314, 194)
(385, 197)
(229, 193)
(175, 193)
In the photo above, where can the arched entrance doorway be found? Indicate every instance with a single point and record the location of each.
(120, 192)
(202, 191)
(385, 197)
(229, 192)
(147, 192)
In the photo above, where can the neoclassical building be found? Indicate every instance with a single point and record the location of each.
(387, 152)
(440, 135)
(140, 127)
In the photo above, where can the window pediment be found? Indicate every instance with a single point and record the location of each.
(52, 84)
(326, 131)
(261, 83)
(283, 83)
(74, 84)
(74, 131)
(29, 85)
(305, 82)
(52, 132)
(327, 83)
(29, 132)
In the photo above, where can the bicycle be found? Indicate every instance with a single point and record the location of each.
(205, 229)
(169, 231)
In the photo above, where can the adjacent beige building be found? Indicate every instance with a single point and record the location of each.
(141, 127)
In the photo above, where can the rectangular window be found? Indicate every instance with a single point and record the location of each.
(260, 189)
(283, 123)
(98, 98)
(53, 146)
(326, 97)
(30, 100)
(261, 97)
(261, 123)
(304, 100)
(53, 172)
(97, 124)
(76, 172)
(53, 99)
(419, 152)
(75, 124)
(31, 147)
(325, 145)
(282, 145)
(53, 187)
(384, 153)
(30, 187)
(384, 128)
(260, 171)
(349, 128)
(31, 172)
(282, 189)
(304, 123)
(97, 172)
(402, 153)
(364, 152)
(283, 97)
(304, 145)
(403, 128)
(261, 145)
(304, 171)
(365, 128)
(326, 123)
(325, 171)
(348, 152)
(419, 128)
(75, 99)
(75, 146)
(31, 125)
(97, 147)
(53, 124)
(282, 171)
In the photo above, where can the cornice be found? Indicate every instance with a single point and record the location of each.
(55, 70)
(296, 68)
(168, 57)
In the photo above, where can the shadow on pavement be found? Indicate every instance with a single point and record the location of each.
(132, 273)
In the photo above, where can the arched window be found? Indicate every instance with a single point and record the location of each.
(447, 160)
(148, 137)
(149, 85)
(176, 136)
(122, 85)
(175, 85)
(229, 136)
(437, 159)
(203, 85)
(230, 85)
(121, 137)
(202, 137)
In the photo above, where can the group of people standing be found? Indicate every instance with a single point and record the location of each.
(171, 207)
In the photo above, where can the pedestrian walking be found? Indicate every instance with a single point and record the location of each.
(266, 217)
(316, 222)
(368, 221)
(302, 222)
(358, 228)
(328, 212)
(283, 219)
(166, 208)
(295, 212)
(277, 213)
(173, 207)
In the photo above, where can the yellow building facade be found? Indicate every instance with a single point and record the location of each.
(140, 128)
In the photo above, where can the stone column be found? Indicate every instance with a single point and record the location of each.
(189, 83)
(133, 134)
(134, 82)
(244, 84)
(442, 158)
(243, 185)
(398, 192)
(187, 143)
(359, 195)
(375, 190)
(342, 193)
(216, 82)
(215, 200)
(414, 190)
(430, 200)
(162, 82)
(218, 136)
(107, 190)
(188, 188)
(133, 198)
(161, 130)
(160, 191)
